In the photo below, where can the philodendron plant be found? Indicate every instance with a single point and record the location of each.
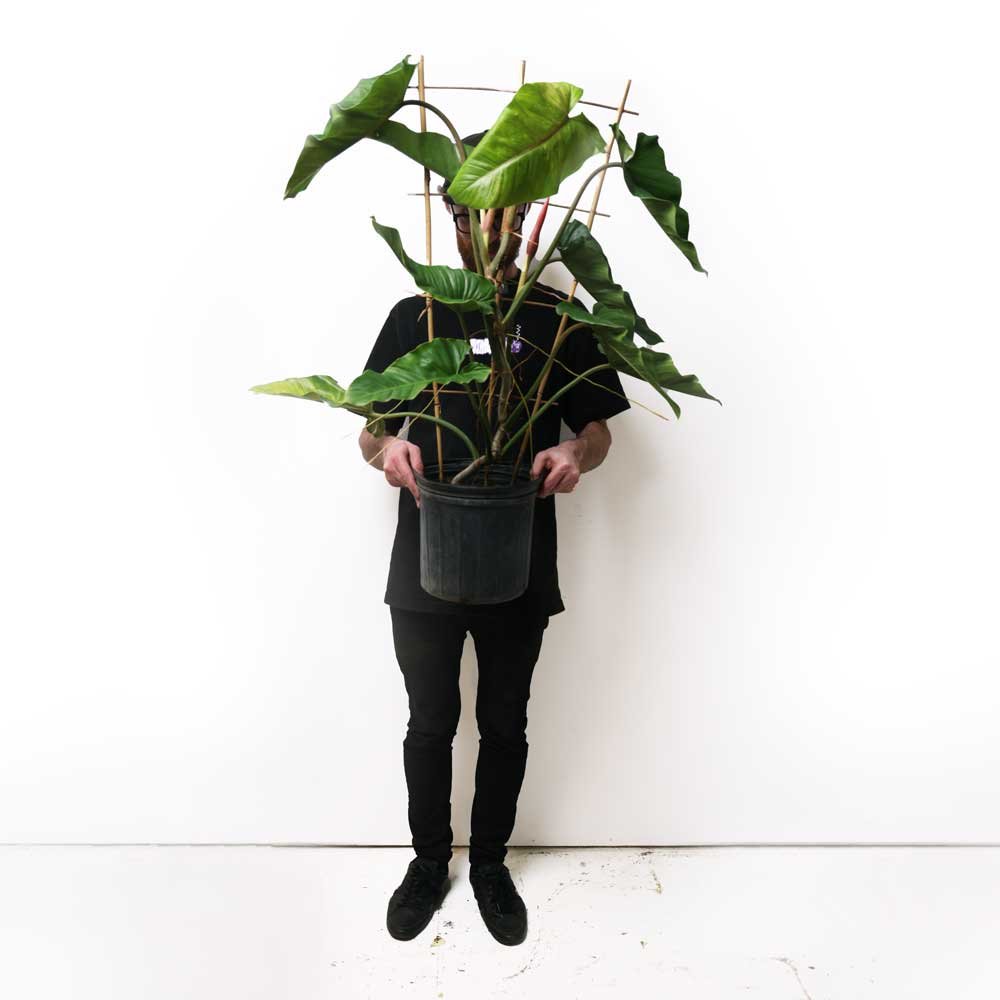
(532, 147)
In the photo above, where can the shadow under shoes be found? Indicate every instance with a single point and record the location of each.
(421, 892)
(502, 909)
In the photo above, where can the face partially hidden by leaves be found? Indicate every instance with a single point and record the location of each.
(464, 239)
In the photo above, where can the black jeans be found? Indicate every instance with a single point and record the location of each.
(429, 650)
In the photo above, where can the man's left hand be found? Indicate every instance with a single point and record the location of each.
(563, 464)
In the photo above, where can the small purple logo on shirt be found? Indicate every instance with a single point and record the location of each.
(516, 343)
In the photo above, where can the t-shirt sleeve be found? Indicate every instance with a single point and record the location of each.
(386, 349)
(587, 401)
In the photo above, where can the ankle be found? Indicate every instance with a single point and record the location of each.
(489, 864)
(440, 864)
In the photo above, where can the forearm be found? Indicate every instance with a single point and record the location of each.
(592, 444)
(373, 448)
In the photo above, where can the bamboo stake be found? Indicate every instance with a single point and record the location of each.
(569, 298)
(507, 90)
(430, 299)
(503, 415)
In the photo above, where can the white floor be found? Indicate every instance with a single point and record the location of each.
(214, 923)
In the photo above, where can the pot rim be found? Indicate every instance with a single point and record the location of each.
(524, 486)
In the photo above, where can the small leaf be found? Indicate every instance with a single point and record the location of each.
(624, 149)
(457, 287)
(647, 177)
(585, 258)
(617, 345)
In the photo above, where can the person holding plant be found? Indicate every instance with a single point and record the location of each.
(429, 633)
(507, 362)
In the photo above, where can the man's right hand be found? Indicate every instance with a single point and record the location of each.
(400, 460)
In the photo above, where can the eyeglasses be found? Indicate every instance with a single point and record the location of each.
(462, 219)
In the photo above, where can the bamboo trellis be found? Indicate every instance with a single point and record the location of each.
(619, 110)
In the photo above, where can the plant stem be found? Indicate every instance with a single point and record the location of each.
(560, 333)
(475, 396)
(473, 450)
(471, 467)
(459, 148)
(474, 234)
(506, 384)
(506, 233)
(549, 402)
(550, 359)
(526, 287)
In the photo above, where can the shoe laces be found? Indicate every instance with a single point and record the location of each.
(497, 887)
(421, 882)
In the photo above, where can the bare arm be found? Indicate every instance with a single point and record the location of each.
(569, 460)
(373, 448)
(592, 444)
(397, 458)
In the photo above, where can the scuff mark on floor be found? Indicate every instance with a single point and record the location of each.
(544, 907)
(795, 972)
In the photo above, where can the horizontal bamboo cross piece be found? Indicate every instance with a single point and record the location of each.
(507, 90)
(552, 204)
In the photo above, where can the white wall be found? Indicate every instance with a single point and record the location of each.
(781, 612)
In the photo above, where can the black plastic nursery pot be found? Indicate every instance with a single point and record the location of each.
(475, 535)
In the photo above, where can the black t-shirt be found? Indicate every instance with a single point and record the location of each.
(405, 328)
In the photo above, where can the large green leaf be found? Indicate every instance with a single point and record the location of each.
(585, 258)
(363, 111)
(647, 177)
(609, 326)
(439, 360)
(429, 149)
(442, 359)
(529, 150)
(457, 287)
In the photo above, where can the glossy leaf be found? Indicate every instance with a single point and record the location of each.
(529, 150)
(429, 149)
(321, 388)
(585, 258)
(440, 360)
(623, 354)
(457, 287)
(647, 177)
(361, 113)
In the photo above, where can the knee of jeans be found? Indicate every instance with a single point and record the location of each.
(506, 732)
(435, 730)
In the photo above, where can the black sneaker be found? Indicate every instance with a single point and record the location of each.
(412, 905)
(502, 909)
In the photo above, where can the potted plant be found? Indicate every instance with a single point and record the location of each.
(476, 515)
